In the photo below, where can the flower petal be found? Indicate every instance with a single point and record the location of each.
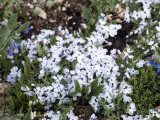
(158, 72)
(9, 52)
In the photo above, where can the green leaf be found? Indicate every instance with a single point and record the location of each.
(97, 90)
(72, 93)
(9, 112)
(17, 116)
(21, 110)
(83, 89)
(63, 82)
(27, 67)
(77, 86)
(1, 113)
(4, 37)
(12, 22)
(94, 3)
(28, 115)
(63, 115)
(16, 37)
(7, 118)
(24, 27)
(86, 13)
(5, 32)
(11, 105)
(18, 41)
(50, 3)
(6, 44)
(86, 90)
(94, 83)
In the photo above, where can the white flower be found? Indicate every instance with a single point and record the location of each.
(92, 117)
(156, 1)
(135, 15)
(151, 43)
(113, 29)
(29, 93)
(125, 117)
(111, 106)
(19, 74)
(33, 115)
(127, 16)
(94, 103)
(140, 63)
(158, 29)
(131, 108)
(155, 113)
(71, 115)
(4, 22)
(84, 26)
(145, 52)
(126, 98)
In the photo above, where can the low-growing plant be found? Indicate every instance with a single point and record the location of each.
(7, 32)
(145, 94)
(143, 82)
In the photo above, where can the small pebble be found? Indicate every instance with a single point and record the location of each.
(64, 9)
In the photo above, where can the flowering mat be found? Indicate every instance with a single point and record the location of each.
(80, 60)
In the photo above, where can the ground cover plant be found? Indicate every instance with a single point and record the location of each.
(103, 63)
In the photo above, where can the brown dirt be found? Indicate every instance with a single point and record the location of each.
(67, 14)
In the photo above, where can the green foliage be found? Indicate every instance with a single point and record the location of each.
(90, 15)
(146, 92)
(7, 7)
(5, 63)
(41, 51)
(13, 117)
(86, 14)
(64, 82)
(108, 112)
(156, 57)
(7, 33)
(18, 116)
(28, 115)
(65, 110)
(94, 83)
(16, 99)
(109, 5)
(77, 86)
(31, 71)
(49, 3)
(11, 108)
(85, 89)
(97, 90)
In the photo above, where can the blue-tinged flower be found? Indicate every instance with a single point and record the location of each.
(158, 72)
(13, 48)
(10, 45)
(9, 52)
(15, 45)
(155, 64)
(29, 29)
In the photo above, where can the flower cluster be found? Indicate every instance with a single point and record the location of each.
(90, 61)
(14, 74)
(13, 49)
